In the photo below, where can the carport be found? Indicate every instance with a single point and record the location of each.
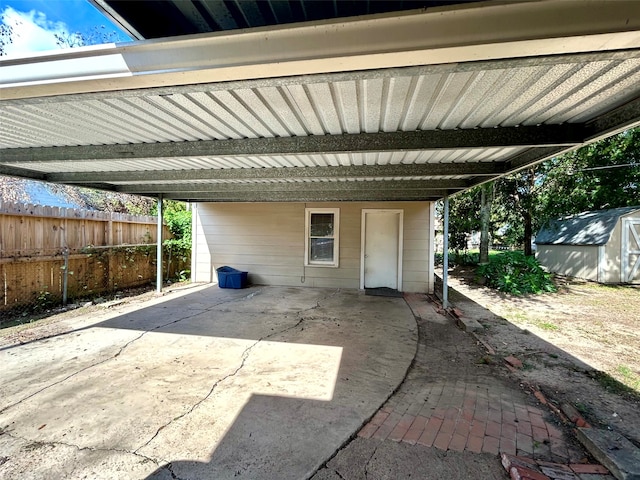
(409, 106)
(360, 111)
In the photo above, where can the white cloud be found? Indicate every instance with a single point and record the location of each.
(31, 31)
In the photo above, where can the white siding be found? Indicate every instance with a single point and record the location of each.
(579, 261)
(267, 240)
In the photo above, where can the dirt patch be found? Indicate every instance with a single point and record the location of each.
(580, 345)
(20, 329)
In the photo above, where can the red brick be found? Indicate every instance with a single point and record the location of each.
(368, 430)
(387, 426)
(458, 442)
(478, 428)
(507, 445)
(401, 428)
(587, 468)
(448, 425)
(508, 417)
(513, 361)
(398, 432)
(582, 423)
(463, 427)
(508, 431)
(474, 444)
(524, 442)
(540, 396)
(430, 432)
(439, 413)
(442, 440)
(491, 445)
(522, 414)
(540, 434)
(451, 414)
(493, 429)
(419, 423)
(554, 432)
(537, 420)
(495, 415)
(379, 417)
(412, 436)
(467, 414)
(509, 461)
(570, 411)
(522, 473)
(524, 428)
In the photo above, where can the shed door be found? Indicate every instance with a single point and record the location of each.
(382, 248)
(631, 250)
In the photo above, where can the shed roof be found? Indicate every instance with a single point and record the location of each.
(587, 228)
(410, 105)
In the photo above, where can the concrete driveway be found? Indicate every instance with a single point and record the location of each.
(265, 382)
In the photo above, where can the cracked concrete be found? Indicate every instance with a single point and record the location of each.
(210, 383)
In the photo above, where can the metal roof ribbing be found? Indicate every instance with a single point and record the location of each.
(587, 228)
(420, 104)
(259, 161)
(509, 96)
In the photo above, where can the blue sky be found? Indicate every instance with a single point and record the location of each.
(35, 22)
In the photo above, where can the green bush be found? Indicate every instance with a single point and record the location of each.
(515, 273)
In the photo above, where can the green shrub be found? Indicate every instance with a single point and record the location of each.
(515, 273)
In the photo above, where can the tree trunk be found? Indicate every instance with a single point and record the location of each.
(527, 234)
(485, 217)
(528, 205)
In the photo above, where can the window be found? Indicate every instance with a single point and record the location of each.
(322, 239)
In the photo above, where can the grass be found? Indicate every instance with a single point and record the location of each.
(545, 325)
(618, 387)
(628, 377)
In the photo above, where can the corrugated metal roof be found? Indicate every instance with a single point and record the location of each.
(587, 228)
(409, 101)
(436, 112)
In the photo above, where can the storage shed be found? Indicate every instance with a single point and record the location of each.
(603, 245)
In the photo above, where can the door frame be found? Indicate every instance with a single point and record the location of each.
(363, 231)
(626, 251)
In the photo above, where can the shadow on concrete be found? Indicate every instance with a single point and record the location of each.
(280, 436)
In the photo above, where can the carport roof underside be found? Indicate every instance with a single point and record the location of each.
(400, 106)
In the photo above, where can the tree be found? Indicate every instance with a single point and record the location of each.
(605, 174)
(486, 198)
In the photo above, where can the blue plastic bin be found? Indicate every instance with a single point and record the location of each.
(229, 277)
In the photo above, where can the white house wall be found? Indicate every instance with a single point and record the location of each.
(613, 255)
(267, 240)
(579, 261)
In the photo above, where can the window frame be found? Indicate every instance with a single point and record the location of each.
(335, 262)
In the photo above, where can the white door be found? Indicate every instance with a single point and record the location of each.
(381, 249)
(630, 250)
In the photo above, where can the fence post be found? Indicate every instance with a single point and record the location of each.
(65, 276)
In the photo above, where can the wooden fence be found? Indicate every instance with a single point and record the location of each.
(105, 252)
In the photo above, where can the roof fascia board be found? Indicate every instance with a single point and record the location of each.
(420, 185)
(467, 33)
(526, 136)
(356, 171)
(335, 77)
(316, 196)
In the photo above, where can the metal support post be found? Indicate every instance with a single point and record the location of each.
(445, 254)
(159, 248)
